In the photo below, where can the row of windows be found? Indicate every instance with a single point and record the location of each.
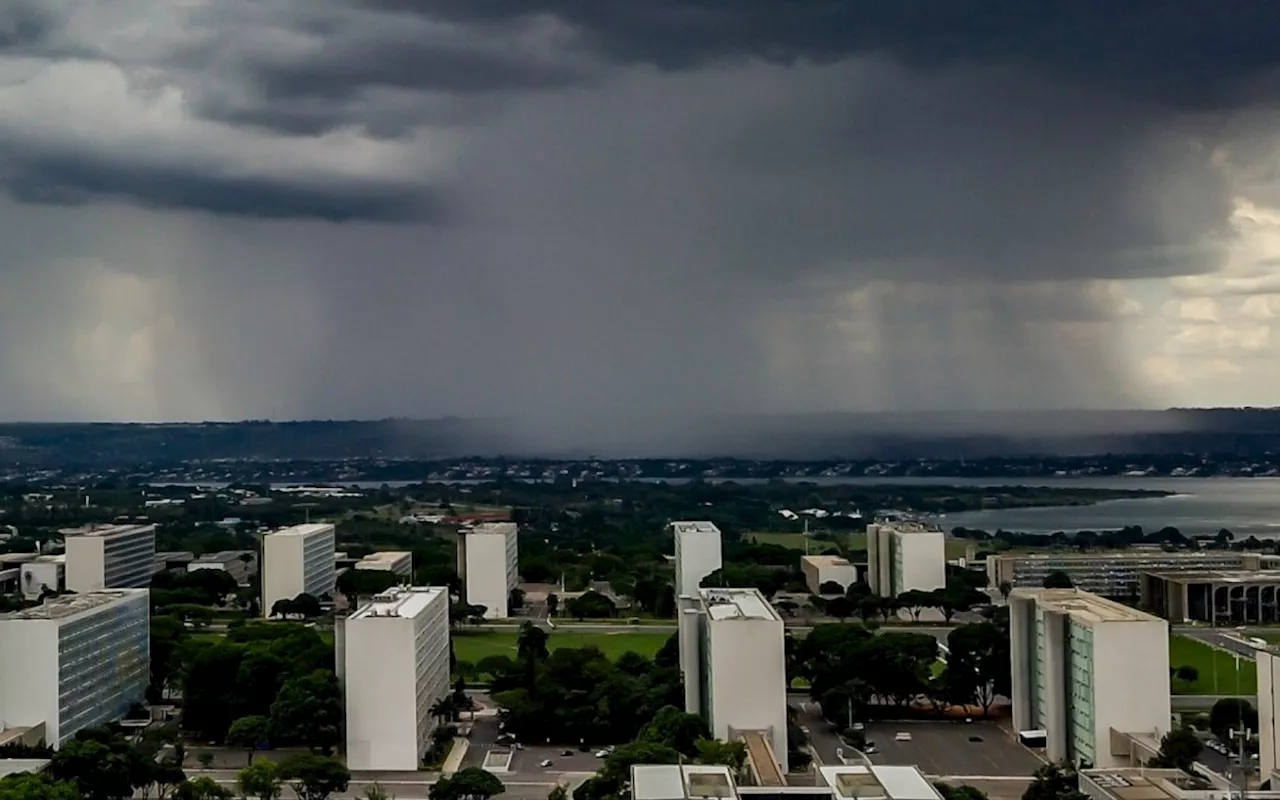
(103, 666)
(128, 561)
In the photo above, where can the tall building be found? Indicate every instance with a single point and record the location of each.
(75, 661)
(394, 649)
(488, 560)
(732, 646)
(904, 557)
(1110, 573)
(1083, 666)
(697, 554)
(297, 560)
(1268, 661)
(110, 557)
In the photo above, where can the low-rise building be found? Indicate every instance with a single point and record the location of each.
(395, 656)
(1083, 668)
(43, 573)
(239, 564)
(1219, 597)
(1110, 573)
(75, 661)
(110, 557)
(399, 562)
(877, 782)
(819, 570)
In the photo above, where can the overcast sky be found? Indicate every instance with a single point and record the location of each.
(576, 209)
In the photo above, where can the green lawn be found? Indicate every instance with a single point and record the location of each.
(474, 645)
(1208, 660)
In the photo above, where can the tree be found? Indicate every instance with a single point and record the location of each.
(168, 634)
(1054, 782)
(590, 604)
(916, 601)
(676, 729)
(558, 793)
(101, 764)
(840, 607)
(29, 786)
(1179, 749)
(717, 751)
(314, 777)
(282, 608)
(978, 665)
(1058, 580)
(202, 789)
(515, 599)
(308, 710)
(531, 642)
(307, 606)
(471, 783)
(374, 791)
(1229, 713)
(1005, 589)
(249, 732)
(830, 587)
(260, 780)
(553, 604)
(1187, 673)
(166, 776)
(962, 792)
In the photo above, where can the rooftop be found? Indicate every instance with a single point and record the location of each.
(494, 529)
(1131, 555)
(686, 528)
(69, 605)
(386, 557)
(1083, 606)
(1149, 784)
(680, 782)
(13, 766)
(911, 526)
(401, 601)
(830, 561)
(308, 529)
(866, 783)
(105, 530)
(60, 558)
(1221, 576)
(724, 604)
(224, 556)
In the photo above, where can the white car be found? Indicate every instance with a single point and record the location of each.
(902, 736)
(546, 762)
(602, 754)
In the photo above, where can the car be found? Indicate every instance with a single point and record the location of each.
(870, 749)
(546, 762)
(602, 754)
(975, 738)
(902, 736)
(566, 752)
(858, 726)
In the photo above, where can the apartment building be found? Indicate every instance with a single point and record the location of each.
(1110, 573)
(399, 562)
(488, 561)
(698, 554)
(1083, 667)
(109, 557)
(819, 570)
(295, 561)
(731, 644)
(395, 649)
(75, 661)
(904, 557)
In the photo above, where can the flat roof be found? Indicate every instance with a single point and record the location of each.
(223, 556)
(1220, 576)
(1136, 783)
(60, 558)
(494, 529)
(386, 556)
(403, 601)
(725, 604)
(689, 527)
(307, 529)
(68, 605)
(910, 526)
(830, 561)
(12, 766)
(892, 782)
(106, 530)
(1130, 555)
(681, 781)
(1083, 606)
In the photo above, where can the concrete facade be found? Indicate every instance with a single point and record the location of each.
(395, 654)
(488, 561)
(698, 554)
(75, 661)
(1219, 597)
(399, 562)
(823, 569)
(110, 557)
(295, 561)
(1082, 666)
(239, 564)
(905, 556)
(1110, 573)
(732, 645)
(1268, 710)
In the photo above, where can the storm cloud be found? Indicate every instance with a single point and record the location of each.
(576, 213)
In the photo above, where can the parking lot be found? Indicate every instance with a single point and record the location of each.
(947, 748)
(528, 759)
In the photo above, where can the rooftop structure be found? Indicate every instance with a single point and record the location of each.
(69, 605)
(1083, 606)
(399, 602)
(681, 782)
(722, 604)
(877, 783)
(1110, 573)
(1153, 784)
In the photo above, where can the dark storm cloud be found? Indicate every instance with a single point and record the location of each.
(1184, 52)
(23, 24)
(81, 178)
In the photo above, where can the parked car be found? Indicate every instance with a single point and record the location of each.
(546, 762)
(902, 736)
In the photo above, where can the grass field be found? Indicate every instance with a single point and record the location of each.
(855, 541)
(475, 645)
(1184, 651)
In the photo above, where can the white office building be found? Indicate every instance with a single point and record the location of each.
(41, 573)
(905, 556)
(697, 554)
(395, 654)
(1083, 667)
(297, 560)
(731, 652)
(110, 557)
(819, 570)
(75, 661)
(399, 562)
(488, 560)
(1268, 661)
